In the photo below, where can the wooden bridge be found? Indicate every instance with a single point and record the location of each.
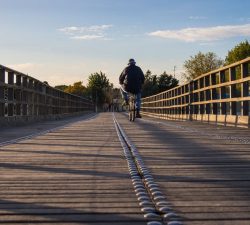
(103, 169)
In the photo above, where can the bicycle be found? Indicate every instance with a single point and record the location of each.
(131, 107)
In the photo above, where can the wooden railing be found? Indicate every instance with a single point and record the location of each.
(222, 96)
(25, 96)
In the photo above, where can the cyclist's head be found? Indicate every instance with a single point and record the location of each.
(131, 62)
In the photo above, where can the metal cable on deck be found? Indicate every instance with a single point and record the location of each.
(155, 206)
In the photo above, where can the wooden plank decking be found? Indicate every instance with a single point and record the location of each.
(78, 174)
(204, 170)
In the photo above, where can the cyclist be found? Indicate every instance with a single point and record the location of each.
(131, 80)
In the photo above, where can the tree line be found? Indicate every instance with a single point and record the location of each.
(202, 63)
(154, 84)
(100, 90)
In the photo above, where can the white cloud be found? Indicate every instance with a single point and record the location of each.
(69, 30)
(87, 37)
(96, 28)
(99, 28)
(204, 34)
(87, 33)
(197, 18)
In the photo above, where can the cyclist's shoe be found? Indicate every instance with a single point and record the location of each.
(138, 115)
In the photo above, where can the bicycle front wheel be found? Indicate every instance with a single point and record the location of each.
(132, 111)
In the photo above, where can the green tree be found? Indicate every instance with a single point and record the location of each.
(100, 88)
(166, 82)
(201, 63)
(154, 84)
(77, 89)
(150, 86)
(239, 52)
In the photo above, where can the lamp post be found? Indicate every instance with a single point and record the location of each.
(174, 71)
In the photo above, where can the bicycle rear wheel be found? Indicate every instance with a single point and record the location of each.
(130, 116)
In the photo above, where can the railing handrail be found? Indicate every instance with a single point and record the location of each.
(224, 91)
(203, 75)
(20, 73)
(22, 95)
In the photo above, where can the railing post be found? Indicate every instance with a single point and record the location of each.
(191, 99)
(2, 78)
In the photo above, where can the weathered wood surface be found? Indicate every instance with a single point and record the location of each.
(204, 170)
(74, 175)
(78, 174)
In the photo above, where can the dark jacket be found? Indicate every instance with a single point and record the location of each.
(132, 79)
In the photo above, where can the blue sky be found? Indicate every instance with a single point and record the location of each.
(64, 41)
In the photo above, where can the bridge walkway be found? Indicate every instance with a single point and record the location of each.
(77, 174)
(203, 170)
